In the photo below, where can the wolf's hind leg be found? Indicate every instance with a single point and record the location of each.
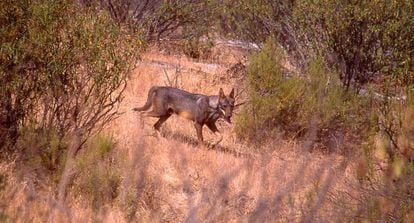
(161, 121)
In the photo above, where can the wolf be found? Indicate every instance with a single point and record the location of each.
(199, 108)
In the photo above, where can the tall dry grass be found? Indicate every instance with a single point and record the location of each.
(135, 177)
(168, 180)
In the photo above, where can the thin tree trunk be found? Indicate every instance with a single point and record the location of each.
(69, 170)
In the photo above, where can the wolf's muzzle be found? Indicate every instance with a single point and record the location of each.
(227, 118)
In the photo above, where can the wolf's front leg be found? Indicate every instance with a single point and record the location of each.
(220, 138)
(212, 126)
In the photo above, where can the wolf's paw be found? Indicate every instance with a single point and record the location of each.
(209, 144)
(216, 142)
(202, 145)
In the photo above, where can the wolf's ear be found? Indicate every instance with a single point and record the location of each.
(231, 95)
(221, 93)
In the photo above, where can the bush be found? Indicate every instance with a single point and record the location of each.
(271, 95)
(364, 40)
(99, 174)
(63, 70)
(197, 48)
(391, 147)
(41, 151)
(163, 19)
(367, 39)
(297, 105)
(315, 107)
(62, 66)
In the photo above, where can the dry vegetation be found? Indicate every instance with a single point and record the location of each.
(325, 132)
(129, 175)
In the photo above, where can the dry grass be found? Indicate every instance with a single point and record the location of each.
(169, 179)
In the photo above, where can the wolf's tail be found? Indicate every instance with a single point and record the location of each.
(148, 104)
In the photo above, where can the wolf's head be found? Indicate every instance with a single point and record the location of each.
(226, 104)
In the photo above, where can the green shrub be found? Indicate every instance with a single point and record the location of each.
(99, 174)
(271, 96)
(296, 104)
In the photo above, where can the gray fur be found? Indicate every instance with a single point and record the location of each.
(201, 109)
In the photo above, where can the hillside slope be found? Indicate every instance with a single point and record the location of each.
(178, 180)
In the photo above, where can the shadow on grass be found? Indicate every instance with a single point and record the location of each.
(194, 142)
